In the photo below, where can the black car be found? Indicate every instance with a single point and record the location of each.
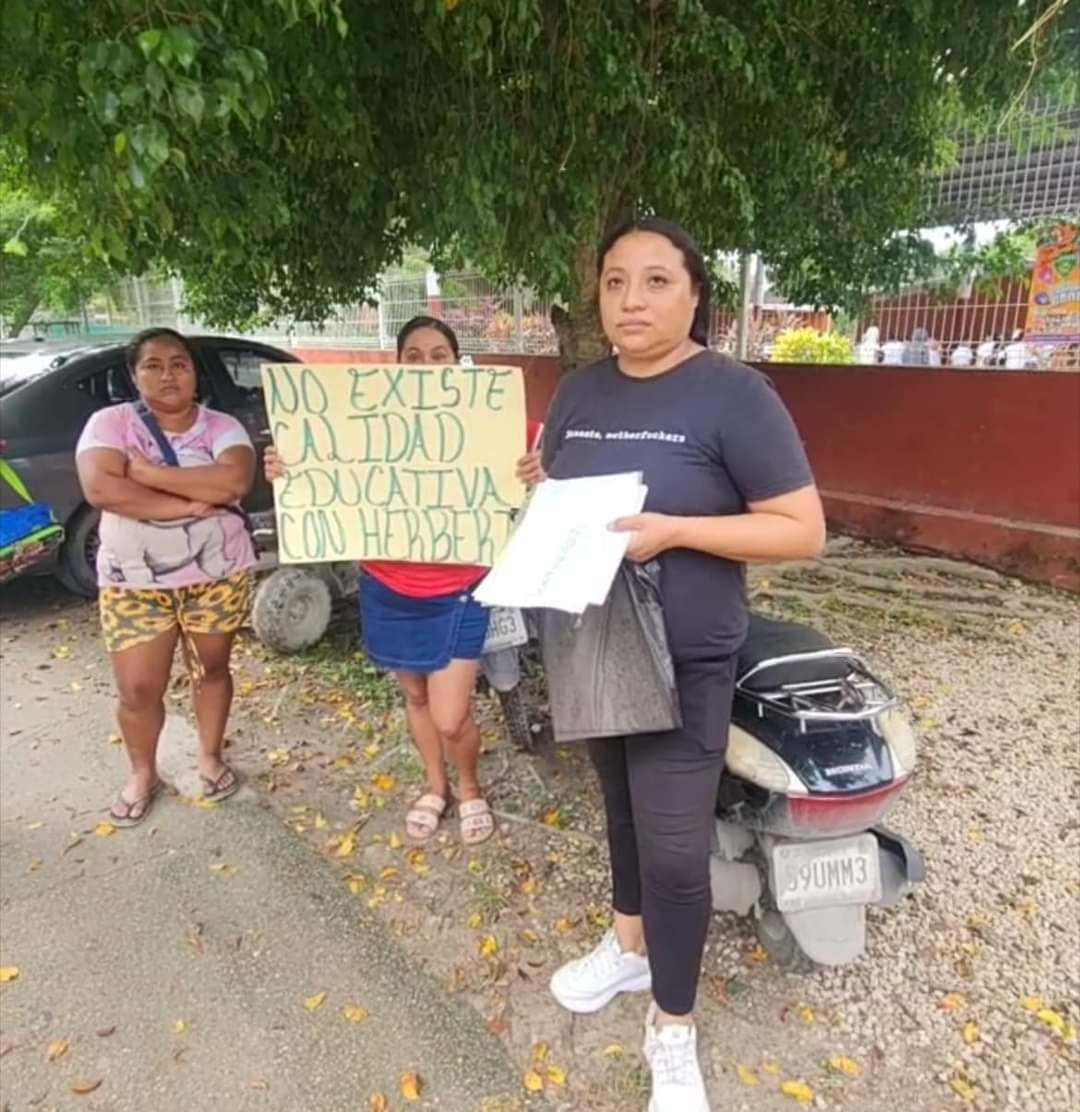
(47, 396)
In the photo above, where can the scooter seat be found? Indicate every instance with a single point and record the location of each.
(769, 638)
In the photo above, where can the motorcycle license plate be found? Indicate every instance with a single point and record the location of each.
(826, 874)
(506, 629)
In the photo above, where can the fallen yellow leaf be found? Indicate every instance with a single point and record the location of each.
(806, 1015)
(845, 1066)
(527, 886)
(377, 1103)
(372, 750)
(57, 1049)
(971, 1033)
(395, 841)
(1031, 1003)
(83, 1088)
(488, 945)
(410, 1086)
(770, 1067)
(388, 873)
(475, 867)
(533, 1082)
(614, 1050)
(746, 1075)
(556, 1075)
(798, 1090)
(540, 1052)
(564, 925)
(347, 845)
(950, 1002)
(758, 955)
(553, 817)
(314, 1003)
(179, 1026)
(104, 829)
(474, 920)
(962, 1088)
(278, 756)
(320, 822)
(8, 973)
(384, 782)
(344, 761)
(354, 1014)
(35, 864)
(1055, 1021)
(115, 739)
(35, 826)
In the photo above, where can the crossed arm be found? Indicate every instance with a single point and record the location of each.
(140, 489)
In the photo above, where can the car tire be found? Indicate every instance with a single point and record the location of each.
(77, 565)
(291, 610)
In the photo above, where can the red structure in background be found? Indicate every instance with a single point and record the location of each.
(978, 465)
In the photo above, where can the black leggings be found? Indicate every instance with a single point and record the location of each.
(660, 796)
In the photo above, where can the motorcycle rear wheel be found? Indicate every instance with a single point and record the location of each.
(781, 945)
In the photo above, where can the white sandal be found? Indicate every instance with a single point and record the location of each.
(477, 821)
(424, 817)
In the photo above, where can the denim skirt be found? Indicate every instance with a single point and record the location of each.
(420, 635)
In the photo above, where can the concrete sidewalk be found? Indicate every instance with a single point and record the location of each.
(175, 959)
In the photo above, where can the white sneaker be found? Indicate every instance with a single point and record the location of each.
(590, 983)
(671, 1051)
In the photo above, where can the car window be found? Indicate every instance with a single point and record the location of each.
(244, 366)
(109, 385)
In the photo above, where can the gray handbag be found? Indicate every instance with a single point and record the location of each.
(609, 670)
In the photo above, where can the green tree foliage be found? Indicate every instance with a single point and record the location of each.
(279, 153)
(45, 261)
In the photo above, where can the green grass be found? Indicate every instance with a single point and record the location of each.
(336, 661)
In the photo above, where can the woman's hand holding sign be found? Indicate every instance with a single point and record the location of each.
(273, 468)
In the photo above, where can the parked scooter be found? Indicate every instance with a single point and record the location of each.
(818, 752)
(293, 604)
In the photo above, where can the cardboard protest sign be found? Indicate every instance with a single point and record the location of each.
(395, 462)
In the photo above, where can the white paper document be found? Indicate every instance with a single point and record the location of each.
(563, 555)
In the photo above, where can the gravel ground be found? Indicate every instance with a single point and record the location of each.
(968, 994)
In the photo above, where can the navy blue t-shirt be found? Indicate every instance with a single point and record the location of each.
(710, 435)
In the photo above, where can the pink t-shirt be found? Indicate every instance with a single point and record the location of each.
(180, 553)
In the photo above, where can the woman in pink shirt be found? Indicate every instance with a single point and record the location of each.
(174, 563)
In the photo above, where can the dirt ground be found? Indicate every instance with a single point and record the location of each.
(968, 995)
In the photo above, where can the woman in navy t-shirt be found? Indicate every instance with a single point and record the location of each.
(728, 482)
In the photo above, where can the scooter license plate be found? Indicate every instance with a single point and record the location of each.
(826, 874)
(506, 629)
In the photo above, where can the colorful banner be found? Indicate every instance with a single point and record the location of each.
(1054, 308)
(395, 462)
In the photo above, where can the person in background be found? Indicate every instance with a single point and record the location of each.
(917, 349)
(728, 482)
(421, 622)
(174, 563)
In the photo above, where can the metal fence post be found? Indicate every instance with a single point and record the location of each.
(746, 294)
(519, 318)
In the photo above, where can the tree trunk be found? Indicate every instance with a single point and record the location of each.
(581, 339)
(25, 310)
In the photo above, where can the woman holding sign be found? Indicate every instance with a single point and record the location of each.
(728, 482)
(421, 622)
(168, 475)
